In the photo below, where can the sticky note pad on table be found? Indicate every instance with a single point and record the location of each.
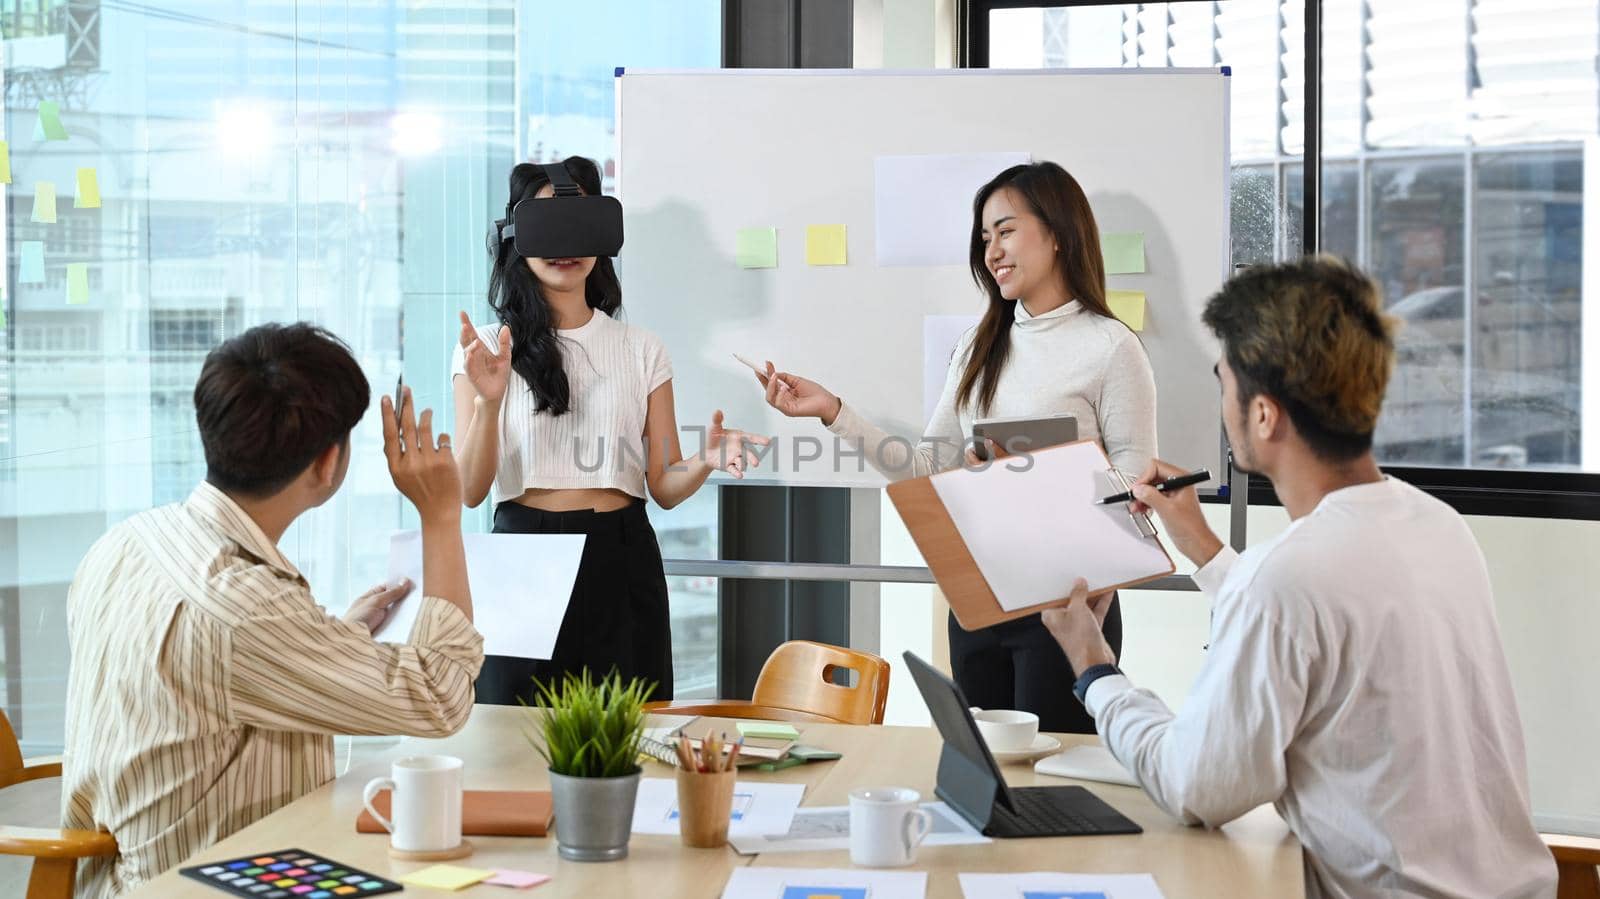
(446, 877)
(756, 247)
(516, 879)
(44, 202)
(825, 245)
(49, 126)
(1127, 305)
(768, 730)
(77, 283)
(88, 189)
(5, 162)
(1123, 252)
(32, 263)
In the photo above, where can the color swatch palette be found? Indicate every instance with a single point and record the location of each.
(290, 874)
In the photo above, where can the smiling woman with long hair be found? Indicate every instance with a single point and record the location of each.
(1047, 345)
(572, 443)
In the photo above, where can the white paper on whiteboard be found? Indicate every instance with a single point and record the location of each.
(940, 334)
(924, 204)
(520, 587)
(1032, 533)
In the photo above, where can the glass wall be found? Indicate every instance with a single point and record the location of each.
(1453, 138)
(217, 165)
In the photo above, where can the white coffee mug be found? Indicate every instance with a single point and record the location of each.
(886, 826)
(425, 801)
(1006, 730)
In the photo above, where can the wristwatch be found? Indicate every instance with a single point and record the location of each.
(1091, 674)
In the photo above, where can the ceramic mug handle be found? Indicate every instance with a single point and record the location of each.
(374, 787)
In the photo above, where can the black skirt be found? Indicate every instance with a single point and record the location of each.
(617, 617)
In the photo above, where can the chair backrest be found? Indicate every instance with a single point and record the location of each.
(799, 675)
(1576, 861)
(10, 753)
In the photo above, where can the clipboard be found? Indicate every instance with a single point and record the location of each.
(971, 598)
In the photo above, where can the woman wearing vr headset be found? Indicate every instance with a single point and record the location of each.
(1047, 345)
(566, 418)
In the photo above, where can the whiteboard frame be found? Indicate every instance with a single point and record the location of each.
(1234, 482)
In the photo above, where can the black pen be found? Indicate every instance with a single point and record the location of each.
(1170, 484)
(397, 382)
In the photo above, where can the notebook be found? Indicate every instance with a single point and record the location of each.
(1086, 763)
(485, 813)
(657, 742)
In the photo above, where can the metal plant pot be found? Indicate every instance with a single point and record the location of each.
(594, 816)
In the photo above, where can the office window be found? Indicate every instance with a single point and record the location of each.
(339, 163)
(1453, 138)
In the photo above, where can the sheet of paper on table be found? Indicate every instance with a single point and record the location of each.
(1052, 885)
(758, 808)
(815, 883)
(828, 827)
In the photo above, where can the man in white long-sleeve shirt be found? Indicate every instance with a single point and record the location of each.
(1355, 677)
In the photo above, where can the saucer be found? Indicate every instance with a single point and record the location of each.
(1043, 745)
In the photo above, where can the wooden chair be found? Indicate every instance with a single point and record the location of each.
(55, 853)
(796, 684)
(1576, 861)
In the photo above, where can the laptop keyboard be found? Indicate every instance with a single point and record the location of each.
(1039, 810)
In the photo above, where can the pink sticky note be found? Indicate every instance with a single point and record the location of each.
(518, 879)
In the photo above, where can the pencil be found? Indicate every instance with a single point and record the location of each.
(733, 754)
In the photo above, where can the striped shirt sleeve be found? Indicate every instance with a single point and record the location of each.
(293, 666)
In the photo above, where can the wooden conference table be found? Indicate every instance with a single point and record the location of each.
(1253, 856)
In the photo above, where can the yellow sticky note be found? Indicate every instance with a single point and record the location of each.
(88, 189)
(446, 877)
(44, 202)
(1127, 305)
(825, 245)
(5, 162)
(77, 283)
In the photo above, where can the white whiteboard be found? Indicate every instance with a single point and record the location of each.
(705, 153)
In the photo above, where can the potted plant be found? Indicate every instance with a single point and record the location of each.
(589, 736)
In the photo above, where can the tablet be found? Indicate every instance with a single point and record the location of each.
(1020, 435)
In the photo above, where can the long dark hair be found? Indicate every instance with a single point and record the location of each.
(518, 300)
(1055, 197)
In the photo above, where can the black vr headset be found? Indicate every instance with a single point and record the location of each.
(565, 225)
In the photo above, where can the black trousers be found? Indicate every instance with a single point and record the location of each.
(617, 617)
(1018, 665)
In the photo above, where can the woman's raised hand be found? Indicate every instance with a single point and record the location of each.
(488, 371)
(799, 397)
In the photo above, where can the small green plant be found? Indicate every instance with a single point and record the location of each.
(591, 729)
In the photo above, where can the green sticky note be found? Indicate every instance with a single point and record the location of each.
(49, 125)
(768, 730)
(757, 247)
(1124, 253)
(5, 162)
(44, 202)
(77, 283)
(825, 245)
(1127, 305)
(32, 263)
(446, 877)
(88, 189)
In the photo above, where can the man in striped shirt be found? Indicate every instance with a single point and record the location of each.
(206, 682)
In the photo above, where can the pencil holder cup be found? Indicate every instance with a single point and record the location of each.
(705, 807)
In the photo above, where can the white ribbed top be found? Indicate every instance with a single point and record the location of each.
(611, 369)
